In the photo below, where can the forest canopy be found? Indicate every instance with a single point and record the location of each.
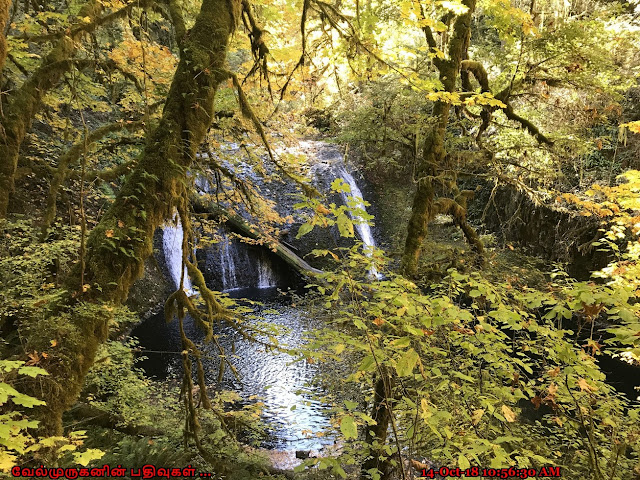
(190, 174)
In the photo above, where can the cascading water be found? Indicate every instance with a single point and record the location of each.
(361, 225)
(228, 265)
(232, 265)
(265, 273)
(172, 237)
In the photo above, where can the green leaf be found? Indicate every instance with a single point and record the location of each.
(32, 371)
(350, 405)
(407, 363)
(348, 427)
(401, 342)
(339, 185)
(368, 364)
(6, 391)
(26, 401)
(304, 229)
(345, 226)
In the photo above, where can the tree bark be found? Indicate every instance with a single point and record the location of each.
(118, 246)
(23, 105)
(434, 152)
(377, 434)
(5, 5)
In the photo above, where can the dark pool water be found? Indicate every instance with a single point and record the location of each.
(293, 414)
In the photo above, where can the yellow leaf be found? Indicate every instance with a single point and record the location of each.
(554, 372)
(509, 414)
(585, 387)
(109, 233)
(54, 342)
(426, 411)
(7, 460)
(477, 415)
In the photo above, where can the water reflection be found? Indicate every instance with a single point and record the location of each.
(294, 416)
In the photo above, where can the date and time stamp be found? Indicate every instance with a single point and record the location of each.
(489, 473)
(151, 471)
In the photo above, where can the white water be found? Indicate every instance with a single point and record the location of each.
(361, 225)
(231, 258)
(172, 237)
(228, 265)
(265, 274)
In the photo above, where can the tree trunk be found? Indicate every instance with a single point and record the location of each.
(433, 153)
(422, 210)
(5, 5)
(118, 246)
(240, 224)
(22, 106)
(377, 434)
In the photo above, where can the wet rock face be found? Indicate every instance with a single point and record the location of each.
(228, 263)
(547, 232)
(148, 293)
(231, 264)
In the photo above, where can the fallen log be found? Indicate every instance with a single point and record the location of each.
(84, 413)
(240, 225)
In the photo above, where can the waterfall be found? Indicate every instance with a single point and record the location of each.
(172, 237)
(265, 273)
(228, 265)
(361, 225)
(240, 269)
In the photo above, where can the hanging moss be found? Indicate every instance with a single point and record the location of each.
(434, 153)
(118, 246)
(23, 104)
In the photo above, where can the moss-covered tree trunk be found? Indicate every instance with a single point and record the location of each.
(5, 5)
(434, 152)
(23, 104)
(376, 435)
(118, 246)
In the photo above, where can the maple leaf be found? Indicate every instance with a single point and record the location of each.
(585, 387)
(509, 414)
(54, 342)
(109, 233)
(34, 358)
(537, 401)
(553, 389)
(476, 416)
(554, 372)
(378, 321)
(120, 224)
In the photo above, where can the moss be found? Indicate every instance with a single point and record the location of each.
(25, 102)
(119, 245)
(4, 18)
(433, 150)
